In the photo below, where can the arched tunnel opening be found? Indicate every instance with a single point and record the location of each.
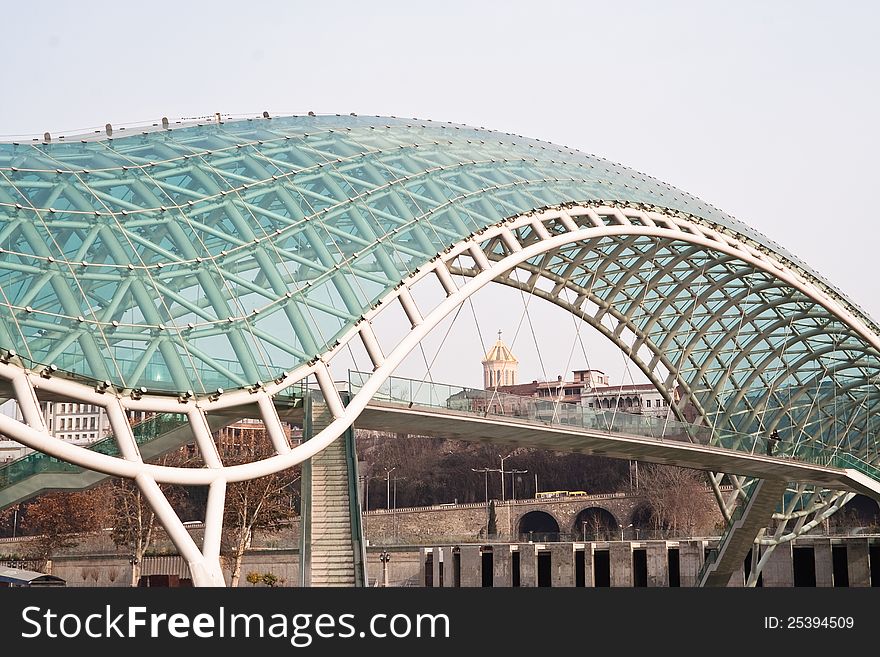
(538, 526)
(596, 524)
(644, 522)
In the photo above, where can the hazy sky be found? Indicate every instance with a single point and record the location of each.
(768, 110)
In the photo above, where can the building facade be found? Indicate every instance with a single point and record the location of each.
(590, 388)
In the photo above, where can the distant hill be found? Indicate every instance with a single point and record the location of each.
(435, 470)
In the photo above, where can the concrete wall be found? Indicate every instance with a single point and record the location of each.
(658, 564)
(406, 566)
(588, 565)
(562, 565)
(96, 561)
(620, 555)
(779, 569)
(502, 563)
(690, 558)
(857, 562)
(528, 565)
(824, 568)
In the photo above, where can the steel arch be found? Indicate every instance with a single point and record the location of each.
(320, 223)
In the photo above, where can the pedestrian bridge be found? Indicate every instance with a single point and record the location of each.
(209, 271)
(411, 406)
(417, 407)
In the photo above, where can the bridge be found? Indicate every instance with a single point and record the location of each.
(234, 269)
(479, 416)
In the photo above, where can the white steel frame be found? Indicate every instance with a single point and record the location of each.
(555, 227)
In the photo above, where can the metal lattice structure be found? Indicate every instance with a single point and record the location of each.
(216, 266)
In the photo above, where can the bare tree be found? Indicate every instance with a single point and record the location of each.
(265, 503)
(133, 522)
(7, 518)
(677, 498)
(598, 526)
(59, 520)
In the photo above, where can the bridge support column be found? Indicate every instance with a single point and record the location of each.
(620, 554)
(423, 571)
(690, 554)
(502, 566)
(528, 565)
(658, 570)
(779, 569)
(562, 565)
(589, 581)
(824, 563)
(471, 566)
(857, 563)
(449, 559)
(436, 565)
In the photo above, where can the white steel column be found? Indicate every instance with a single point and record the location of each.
(214, 522)
(205, 572)
(272, 422)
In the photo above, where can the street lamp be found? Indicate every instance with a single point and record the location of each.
(388, 486)
(503, 458)
(385, 557)
(396, 479)
(584, 527)
(486, 472)
(513, 474)
(622, 529)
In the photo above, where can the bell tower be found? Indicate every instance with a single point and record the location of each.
(499, 366)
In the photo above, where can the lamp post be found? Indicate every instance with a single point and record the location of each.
(503, 458)
(367, 480)
(385, 557)
(486, 472)
(622, 529)
(513, 474)
(584, 528)
(394, 495)
(388, 486)
(133, 561)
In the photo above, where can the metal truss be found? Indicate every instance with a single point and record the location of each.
(216, 268)
(481, 259)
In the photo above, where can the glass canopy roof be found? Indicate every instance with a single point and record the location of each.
(224, 254)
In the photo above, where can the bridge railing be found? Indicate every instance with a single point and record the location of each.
(39, 463)
(414, 392)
